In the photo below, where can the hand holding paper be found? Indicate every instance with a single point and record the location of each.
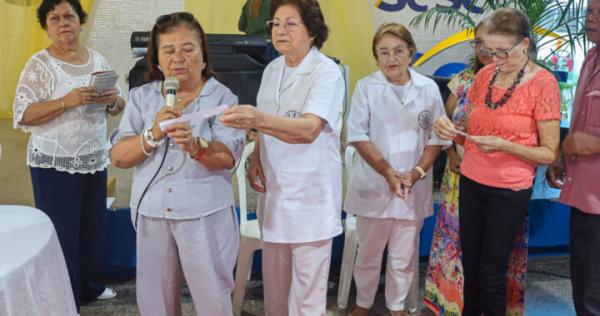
(193, 117)
(103, 80)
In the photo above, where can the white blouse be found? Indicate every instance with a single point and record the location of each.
(75, 141)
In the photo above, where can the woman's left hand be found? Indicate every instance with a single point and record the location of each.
(181, 134)
(489, 144)
(242, 117)
(108, 97)
(407, 180)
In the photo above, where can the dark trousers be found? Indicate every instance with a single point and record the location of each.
(490, 220)
(585, 262)
(76, 204)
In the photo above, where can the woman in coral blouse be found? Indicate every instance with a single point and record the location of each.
(512, 125)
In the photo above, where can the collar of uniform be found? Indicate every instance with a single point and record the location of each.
(305, 66)
(417, 79)
(418, 82)
(209, 87)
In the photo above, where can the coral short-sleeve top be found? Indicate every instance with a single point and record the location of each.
(537, 99)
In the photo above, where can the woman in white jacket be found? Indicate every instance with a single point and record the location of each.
(296, 165)
(390, 186)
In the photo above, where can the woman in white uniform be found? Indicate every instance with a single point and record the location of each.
(390, 186)
(297, 165)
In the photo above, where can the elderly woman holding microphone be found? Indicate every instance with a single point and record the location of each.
(390, 186)
(67, 154)
(186, 223)
(297, 165)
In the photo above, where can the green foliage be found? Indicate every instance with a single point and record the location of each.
(563, 17)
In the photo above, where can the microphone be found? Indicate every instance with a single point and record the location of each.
(171, 85)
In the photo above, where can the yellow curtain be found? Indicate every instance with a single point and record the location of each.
(350, 35)
(22, 36)
(216, 16)
(350, 28)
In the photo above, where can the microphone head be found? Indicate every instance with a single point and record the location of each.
(171, 83)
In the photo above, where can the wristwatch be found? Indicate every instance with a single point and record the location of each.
(149, 137)
(203, 143)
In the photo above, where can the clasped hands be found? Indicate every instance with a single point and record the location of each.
(401, 183)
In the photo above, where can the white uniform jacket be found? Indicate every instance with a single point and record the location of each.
(303, 196)
(400, 127)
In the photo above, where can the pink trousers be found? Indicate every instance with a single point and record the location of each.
(202, 252)
(295, 278)
(401, 239)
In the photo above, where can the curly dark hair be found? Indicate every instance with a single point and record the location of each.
(48, 5)
(312, 18)
(164, 24)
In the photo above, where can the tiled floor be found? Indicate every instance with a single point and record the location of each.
(548, 294)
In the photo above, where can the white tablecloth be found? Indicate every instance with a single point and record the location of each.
(33, 274)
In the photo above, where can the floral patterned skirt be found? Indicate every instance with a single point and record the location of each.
(444, 281)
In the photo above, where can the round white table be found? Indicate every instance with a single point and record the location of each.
(33, 274)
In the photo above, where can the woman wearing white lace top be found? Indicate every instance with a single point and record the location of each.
(67, 150)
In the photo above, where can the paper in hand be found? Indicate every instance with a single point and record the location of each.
(462, 133)
(103, 80)
(192, 117)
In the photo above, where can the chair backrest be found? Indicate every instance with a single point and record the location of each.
(349, 154)
(240, 174)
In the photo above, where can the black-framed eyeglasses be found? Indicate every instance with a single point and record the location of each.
(186, 16)
(503, 54)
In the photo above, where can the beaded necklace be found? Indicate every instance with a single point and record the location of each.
(508, 94)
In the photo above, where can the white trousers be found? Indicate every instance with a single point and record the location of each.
(203, 251)
(295, 278)
(401, 238)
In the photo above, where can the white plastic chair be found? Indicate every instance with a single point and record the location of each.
(349, 255)
(350, 242)
(249, 236)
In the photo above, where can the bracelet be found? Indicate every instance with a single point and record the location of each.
(200, 154)
(62, 105)
(150, 138)
(143, 148)
(421, 172)
(112, 107)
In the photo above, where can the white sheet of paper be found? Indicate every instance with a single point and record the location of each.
(462, 133)
(192, 117)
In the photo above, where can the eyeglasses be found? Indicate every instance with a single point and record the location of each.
(503, 54)
(289, 24)
(186, 16)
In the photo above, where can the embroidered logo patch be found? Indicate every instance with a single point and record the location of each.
(425, 118)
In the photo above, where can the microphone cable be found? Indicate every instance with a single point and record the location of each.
(137, 212)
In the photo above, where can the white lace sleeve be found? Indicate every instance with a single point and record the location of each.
(36, 84)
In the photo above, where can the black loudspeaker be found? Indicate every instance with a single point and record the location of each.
(238, 60)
